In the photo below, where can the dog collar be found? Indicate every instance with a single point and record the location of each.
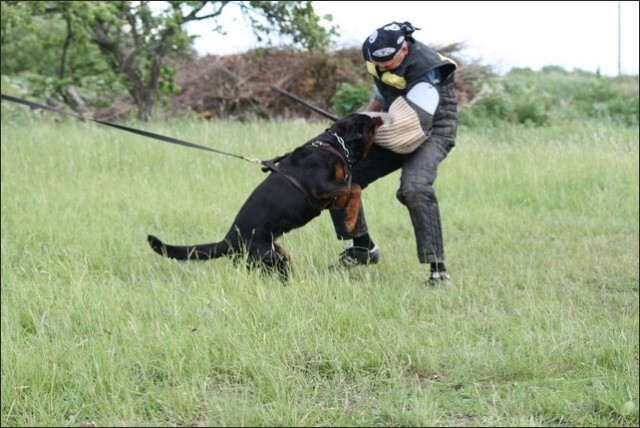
(341, 142)
(344, 155)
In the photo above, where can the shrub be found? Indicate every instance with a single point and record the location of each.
(553, 95)
(351, 97)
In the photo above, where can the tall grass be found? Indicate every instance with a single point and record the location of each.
(538, 328)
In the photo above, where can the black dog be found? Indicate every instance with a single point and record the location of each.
(315, 176)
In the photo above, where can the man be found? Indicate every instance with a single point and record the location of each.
(414, 86)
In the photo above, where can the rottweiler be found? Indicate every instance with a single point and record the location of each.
(300, 184)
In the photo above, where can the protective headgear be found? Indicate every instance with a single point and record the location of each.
(385, 42)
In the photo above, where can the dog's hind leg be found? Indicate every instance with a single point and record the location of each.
(272, 257)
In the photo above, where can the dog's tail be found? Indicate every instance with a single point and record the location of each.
(189, 252)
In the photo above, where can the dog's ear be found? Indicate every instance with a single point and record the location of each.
(370, 123)
(371, 127)
(377, 121)
(371, 130)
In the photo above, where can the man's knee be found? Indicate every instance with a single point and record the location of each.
(416, 193)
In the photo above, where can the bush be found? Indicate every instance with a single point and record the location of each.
(351, 97)
(553, 95)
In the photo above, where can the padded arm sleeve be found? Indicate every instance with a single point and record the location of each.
(410, 119)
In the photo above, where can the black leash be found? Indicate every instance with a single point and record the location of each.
(126, 128)
(267, 165)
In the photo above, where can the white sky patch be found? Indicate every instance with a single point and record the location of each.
(503, 34)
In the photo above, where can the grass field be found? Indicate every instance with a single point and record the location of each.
(538, 328)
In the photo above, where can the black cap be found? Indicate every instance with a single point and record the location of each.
(385, 42)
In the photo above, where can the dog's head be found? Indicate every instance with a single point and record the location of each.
(358, 132)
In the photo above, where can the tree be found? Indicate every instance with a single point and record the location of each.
(135, 40)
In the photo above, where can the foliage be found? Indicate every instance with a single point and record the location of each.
(296, 19)
(351, 97)
(552, 96)
(34, 50)
(131, 41)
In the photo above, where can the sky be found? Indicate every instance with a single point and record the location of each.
(503, 34)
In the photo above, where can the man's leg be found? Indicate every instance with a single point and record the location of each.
(416, 192)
